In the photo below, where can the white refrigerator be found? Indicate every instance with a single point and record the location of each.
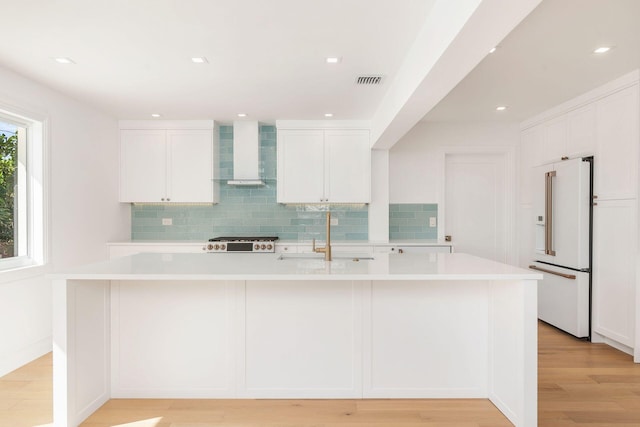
(563, 224)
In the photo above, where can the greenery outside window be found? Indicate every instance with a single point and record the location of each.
(8, 186)
(21, 191)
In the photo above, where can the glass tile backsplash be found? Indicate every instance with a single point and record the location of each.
(411, 221)
(247, 210)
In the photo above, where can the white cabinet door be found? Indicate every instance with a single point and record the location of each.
(616, 161)
(143, 167)
(352, 249)
(614, 269)
(120, 250)
(555, 140)
(301, 166)
(190, 166)
(348, 166)
(581, 131)
(423, 249)
(324, 166)
(159, 165)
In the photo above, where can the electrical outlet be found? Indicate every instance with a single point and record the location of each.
(432, 221)
(167, 221)
(334, 221)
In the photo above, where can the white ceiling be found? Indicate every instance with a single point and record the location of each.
(546, 60)
(266, 58)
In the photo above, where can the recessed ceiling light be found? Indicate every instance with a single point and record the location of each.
(602, 49)
(199, 60)
(63, 60)
(328, 114)
(242, 114)
(501, 108)
(156, 115)
(333, 59)
(493, 49)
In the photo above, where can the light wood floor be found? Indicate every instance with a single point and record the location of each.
(580, 384)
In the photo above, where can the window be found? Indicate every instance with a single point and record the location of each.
(21, 191)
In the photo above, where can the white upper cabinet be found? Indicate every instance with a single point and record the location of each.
(166, 165)
(301, 166)
(616, 165)
(581, 131)
(143, 169)
(348, 166)
(190, 166)
(554, 145)
(324, 166)
(568, 135)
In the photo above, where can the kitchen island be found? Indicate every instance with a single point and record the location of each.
(295, 326)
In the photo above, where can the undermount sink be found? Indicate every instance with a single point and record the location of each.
(320, 257)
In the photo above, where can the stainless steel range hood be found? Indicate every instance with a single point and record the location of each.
(246, 154)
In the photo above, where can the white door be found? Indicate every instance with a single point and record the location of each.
(476, 204)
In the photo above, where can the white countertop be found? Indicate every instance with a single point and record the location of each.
(216, 266)
(414, 242)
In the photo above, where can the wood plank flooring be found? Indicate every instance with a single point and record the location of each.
(580, 384)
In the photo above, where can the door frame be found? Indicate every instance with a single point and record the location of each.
(510, 186)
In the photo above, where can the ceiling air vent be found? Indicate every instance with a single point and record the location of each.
(368, 80)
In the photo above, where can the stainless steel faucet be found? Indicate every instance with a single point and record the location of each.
(327, 247)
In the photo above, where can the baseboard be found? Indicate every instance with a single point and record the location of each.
(21, 357)
(599, 338)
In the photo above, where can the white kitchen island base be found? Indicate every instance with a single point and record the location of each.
(341, 334)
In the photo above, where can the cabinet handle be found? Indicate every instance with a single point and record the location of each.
(544, 270)
(400, 251)
(564, 158)
(168, 199)
(162, 199)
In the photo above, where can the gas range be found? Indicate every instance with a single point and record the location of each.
(242, 244)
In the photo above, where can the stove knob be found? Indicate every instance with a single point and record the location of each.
(269, 246)
(256, 247)
(216, 246)
(210, 246)
(223, 246)
(263, 247)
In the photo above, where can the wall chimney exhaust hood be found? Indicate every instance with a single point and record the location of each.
(246, 154)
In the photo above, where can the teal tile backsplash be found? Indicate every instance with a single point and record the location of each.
(411, 221)
(247, 210)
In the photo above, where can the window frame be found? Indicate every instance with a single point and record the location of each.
(31, 198)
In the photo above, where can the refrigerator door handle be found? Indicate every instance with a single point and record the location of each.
(544, 270)
(548, 211)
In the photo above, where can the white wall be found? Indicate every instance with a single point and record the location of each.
(415, 169)
(84, 212)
